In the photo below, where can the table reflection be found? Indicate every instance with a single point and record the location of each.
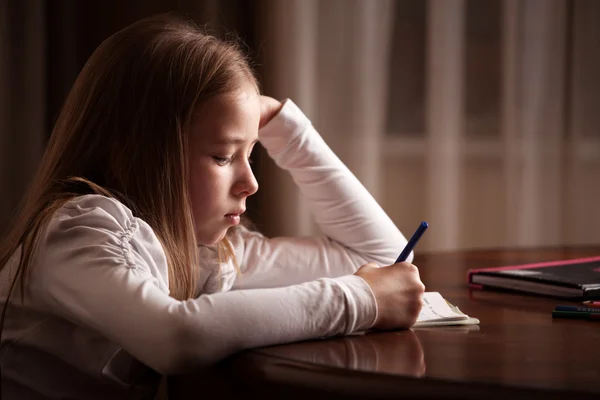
(398, 353)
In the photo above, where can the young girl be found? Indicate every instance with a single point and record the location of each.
(127, 259)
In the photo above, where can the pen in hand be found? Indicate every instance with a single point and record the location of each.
(412, 242)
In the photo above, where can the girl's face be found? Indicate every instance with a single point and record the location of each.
(223, 133)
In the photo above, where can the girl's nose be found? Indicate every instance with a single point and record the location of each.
(247, 184)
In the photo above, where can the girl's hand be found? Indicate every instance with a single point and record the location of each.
(398, 291)
(269, 107)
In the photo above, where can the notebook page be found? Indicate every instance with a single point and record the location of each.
(435, 308)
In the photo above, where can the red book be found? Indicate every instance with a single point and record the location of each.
(573, 279)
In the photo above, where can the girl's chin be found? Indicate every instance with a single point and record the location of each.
(210, 240)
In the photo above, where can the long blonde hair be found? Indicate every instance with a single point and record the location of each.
(123, 133)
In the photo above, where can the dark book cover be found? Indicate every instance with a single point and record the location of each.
(577, 278)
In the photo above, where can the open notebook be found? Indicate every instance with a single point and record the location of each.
(437, 311)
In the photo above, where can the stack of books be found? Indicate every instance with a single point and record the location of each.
(573, 279)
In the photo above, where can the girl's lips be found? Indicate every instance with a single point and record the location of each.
(234, 219)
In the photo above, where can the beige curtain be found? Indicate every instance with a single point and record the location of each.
(533, 183)
(534, 119)
(527, 208)
(581, 191)
(331, 58)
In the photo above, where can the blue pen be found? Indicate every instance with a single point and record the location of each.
(412, 242)
(578, 309)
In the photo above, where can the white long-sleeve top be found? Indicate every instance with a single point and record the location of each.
(98, 321)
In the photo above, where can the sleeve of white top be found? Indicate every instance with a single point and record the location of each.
(356, 229)
(101, 268)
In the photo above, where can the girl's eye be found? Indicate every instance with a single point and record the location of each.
(222, 160)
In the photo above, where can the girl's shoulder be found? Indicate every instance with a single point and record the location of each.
(94, 226)
(103, 219)
(96, 207)
(106, 216)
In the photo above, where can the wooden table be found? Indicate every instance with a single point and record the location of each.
(517, 351)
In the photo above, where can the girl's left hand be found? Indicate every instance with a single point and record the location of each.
(269, 107)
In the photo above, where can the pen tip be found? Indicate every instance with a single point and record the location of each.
(424, 224)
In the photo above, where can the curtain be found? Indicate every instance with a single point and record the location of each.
(22, 99)
(332, 59)
(532, 182)
(525, 178)
(44, 45)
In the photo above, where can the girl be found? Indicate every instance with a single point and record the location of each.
(127, 259)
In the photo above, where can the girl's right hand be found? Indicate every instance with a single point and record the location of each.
(398, 291)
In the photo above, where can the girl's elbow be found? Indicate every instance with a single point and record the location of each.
(173, 353)
(171, 360)
(190, 350)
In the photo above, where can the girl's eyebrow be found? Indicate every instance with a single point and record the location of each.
(233, 140)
